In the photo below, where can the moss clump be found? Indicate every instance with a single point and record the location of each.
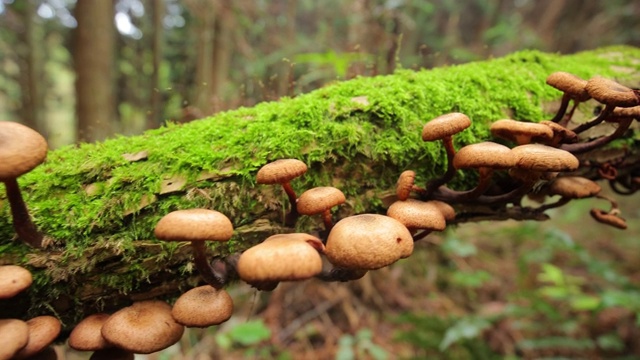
(100, 208)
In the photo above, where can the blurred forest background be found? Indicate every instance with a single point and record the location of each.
(89, 69)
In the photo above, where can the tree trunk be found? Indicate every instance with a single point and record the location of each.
(93, 57)
(98, 204)
(154, 118)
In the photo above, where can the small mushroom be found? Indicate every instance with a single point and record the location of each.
(14, 335)
(282, 171)
(416, 214)
(609, 218)
(573, 88)
(197, 226)
(443, 128)
(203, 306)
(42, 331)
(21, 150)
(13, 280)
(320, 200)
(571, 187)
(521, 132)
(368, 242)
(87, 335)
(281, 257)
(143, 328)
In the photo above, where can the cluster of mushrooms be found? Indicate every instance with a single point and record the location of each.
(546, 159)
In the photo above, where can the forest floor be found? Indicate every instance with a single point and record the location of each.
(563, 288)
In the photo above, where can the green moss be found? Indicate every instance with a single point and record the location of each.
(83, 196)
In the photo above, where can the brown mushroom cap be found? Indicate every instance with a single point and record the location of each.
(368, 242)
(203, 306)
(42, 331)
(21, 149)
(281, 257)
(521, 132)
(405, 184)
(539, 157)
(446, 210)
(194, 225)
(445, 126)
(87, 335)
(561, 133)
(416, 214)
(319, 199)
(628, 112)
(574, 187)
(14, 335)
(570, 84)
(280, 171)
(13, 280)
(484, 154)
(611, 93)
(143, 328)
(608, 219)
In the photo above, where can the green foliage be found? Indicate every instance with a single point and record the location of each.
(359, 346)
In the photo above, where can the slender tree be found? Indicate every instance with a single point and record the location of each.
(93, 57)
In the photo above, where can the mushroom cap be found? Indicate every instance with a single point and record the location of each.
(13, 280)
(628, 112)
(194, 225)
(368, 242)
(280, 171)
(143, 328)
(405, 184)
(42, 331)
(317, 200)
(87, 335)
(416, 214)
(570, 84)
(447, 210)
(521, 132)
(484, 154)
(608, 219)
(540, 157)
(563, 134)
(281, 257)
(574, 187)
(611, 93)
(14, 335)
(445, 126)
(21, 149)
(203, 306)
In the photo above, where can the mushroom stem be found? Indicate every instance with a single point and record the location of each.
(292, 215)
(563, 108)
(450, 196)
(205, 269)
(328, 220)
(562, 201)
(341, 274)
(22, 223)
(581, 148)
(421, 235)
(600, 118)
(565, 120)
(434, 184)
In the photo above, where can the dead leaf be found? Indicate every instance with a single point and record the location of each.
(140, 155)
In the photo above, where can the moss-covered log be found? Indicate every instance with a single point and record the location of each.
(97, 204)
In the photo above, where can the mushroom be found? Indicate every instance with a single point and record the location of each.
(14, 335)
(612, 95)
(13, 280)
(573, 88)
(87, 335)
(443, 128)
(197, 226)
(571, 187)
(416, 214)
(203, 306)
(368, 242)
(281, 172)
(320, 200)
(561, 134)
(609, 218)
(21, 150)
(521, 132)
(143, 328)
(281, 257)
(486, 157)
(42, 331)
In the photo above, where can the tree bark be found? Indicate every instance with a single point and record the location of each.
(93, 58)
(98, 203)
(154, 118)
